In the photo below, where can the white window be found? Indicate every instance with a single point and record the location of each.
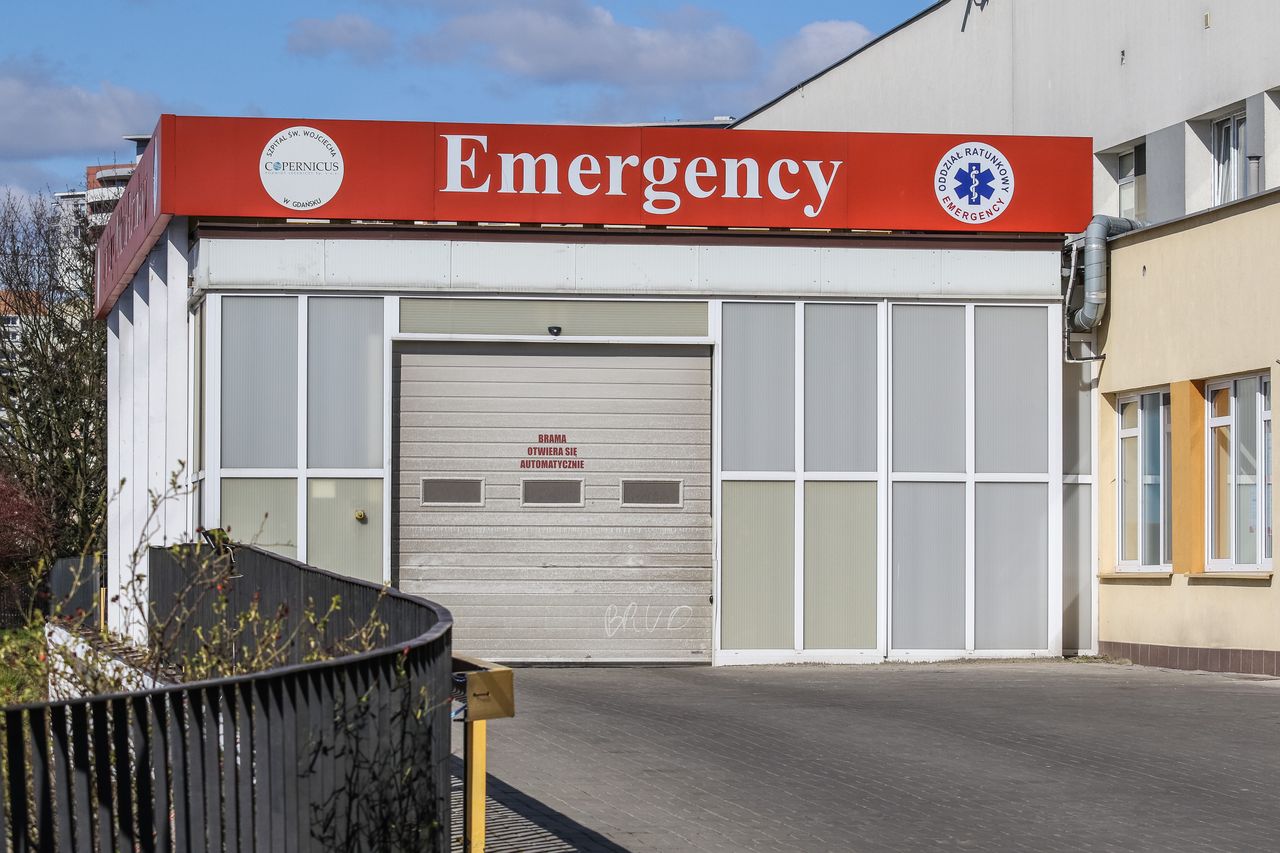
(1229, 159)
(1145, 488)
(1131, 177)
(1239, 454)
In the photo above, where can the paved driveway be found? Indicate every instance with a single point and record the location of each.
(982, 756)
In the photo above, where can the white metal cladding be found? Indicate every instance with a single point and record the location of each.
(596, 582)
(148, 414)
(623, 268)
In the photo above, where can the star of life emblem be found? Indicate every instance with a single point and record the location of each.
(974, 182)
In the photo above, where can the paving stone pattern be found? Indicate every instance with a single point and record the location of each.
(976, 756)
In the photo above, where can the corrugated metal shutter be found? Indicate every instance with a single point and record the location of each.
(529, 581)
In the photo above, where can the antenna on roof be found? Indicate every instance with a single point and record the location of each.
(981, 4)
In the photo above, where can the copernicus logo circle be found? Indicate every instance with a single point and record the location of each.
(301, 168)
(974, 182)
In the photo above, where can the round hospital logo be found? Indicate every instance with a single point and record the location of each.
(974, 182)
(301, 168)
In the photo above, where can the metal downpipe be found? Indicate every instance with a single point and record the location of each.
(1101, 229)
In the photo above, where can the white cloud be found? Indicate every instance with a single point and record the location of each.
(47, 118)
(812, 49)
(689, 63)
(573, 41)
(352, 35)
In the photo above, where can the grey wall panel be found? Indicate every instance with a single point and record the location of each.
(757, 586)
(339, 540)
(758, 399)
(595, 318)
(1077, 418)
(344, 383)
(840, 566)
(1011, 566)
(595, 582)
(840, 400)
(1077, 569)
(1166, 173)
(928, 388)
(1011, 390)
(262, 511)
(928, 556)
(259, 382)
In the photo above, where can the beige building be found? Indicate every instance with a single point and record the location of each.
(1184, 442)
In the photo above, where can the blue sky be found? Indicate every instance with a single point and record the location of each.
(75, 75)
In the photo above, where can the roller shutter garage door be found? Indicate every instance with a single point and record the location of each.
(557, 497)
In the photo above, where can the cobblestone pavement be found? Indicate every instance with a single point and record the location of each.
(976, 756)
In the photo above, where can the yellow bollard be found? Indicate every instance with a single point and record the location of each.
(474, 793)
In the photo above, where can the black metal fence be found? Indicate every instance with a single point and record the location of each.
(349, 753)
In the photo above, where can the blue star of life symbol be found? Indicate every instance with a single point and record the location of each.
(973, 184)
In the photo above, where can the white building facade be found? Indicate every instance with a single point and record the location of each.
(612, 441)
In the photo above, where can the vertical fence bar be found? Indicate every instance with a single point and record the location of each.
(304, 737)
(225, 697)
(160, 826)
(195, 775)
(123, 774)
(211, 784)
(62, 797)
(285, 698)
(82, 779)
(15, 728)
(41, 779)
(179, 773)
(262, 787)
(244, 766)
(131, 735)
(100, 730)
(269, 695)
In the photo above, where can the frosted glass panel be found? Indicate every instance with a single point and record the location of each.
(840, 566)
(928, 388)
(1011, 566)
(759, 374)
(344, 383)
(1011, 390)
(928, 566)
(840, 388)
(339, 540)
(606, 318)
(262, 511)
(1077, 569)
(758, 575)
(259, 382)
(1077, 416)
(1246, 464)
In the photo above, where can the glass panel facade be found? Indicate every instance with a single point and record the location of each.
(262, 511)
(259, 382)
(840, 566)
(1011, 390)
(344, 383)
(1152, 432)
(1011, 569)
(1246, 471)
(928, 566)
(758, 373)
(344, 526)
(1129, 498)
(928, 388)
(758, 567)
(840, 402)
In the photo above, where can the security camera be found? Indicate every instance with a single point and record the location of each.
(553, 331)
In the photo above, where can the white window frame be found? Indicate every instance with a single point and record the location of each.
(1229, 166)
(1164, 431)
(1129, 180)
(582, 492)
(1262, 422)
